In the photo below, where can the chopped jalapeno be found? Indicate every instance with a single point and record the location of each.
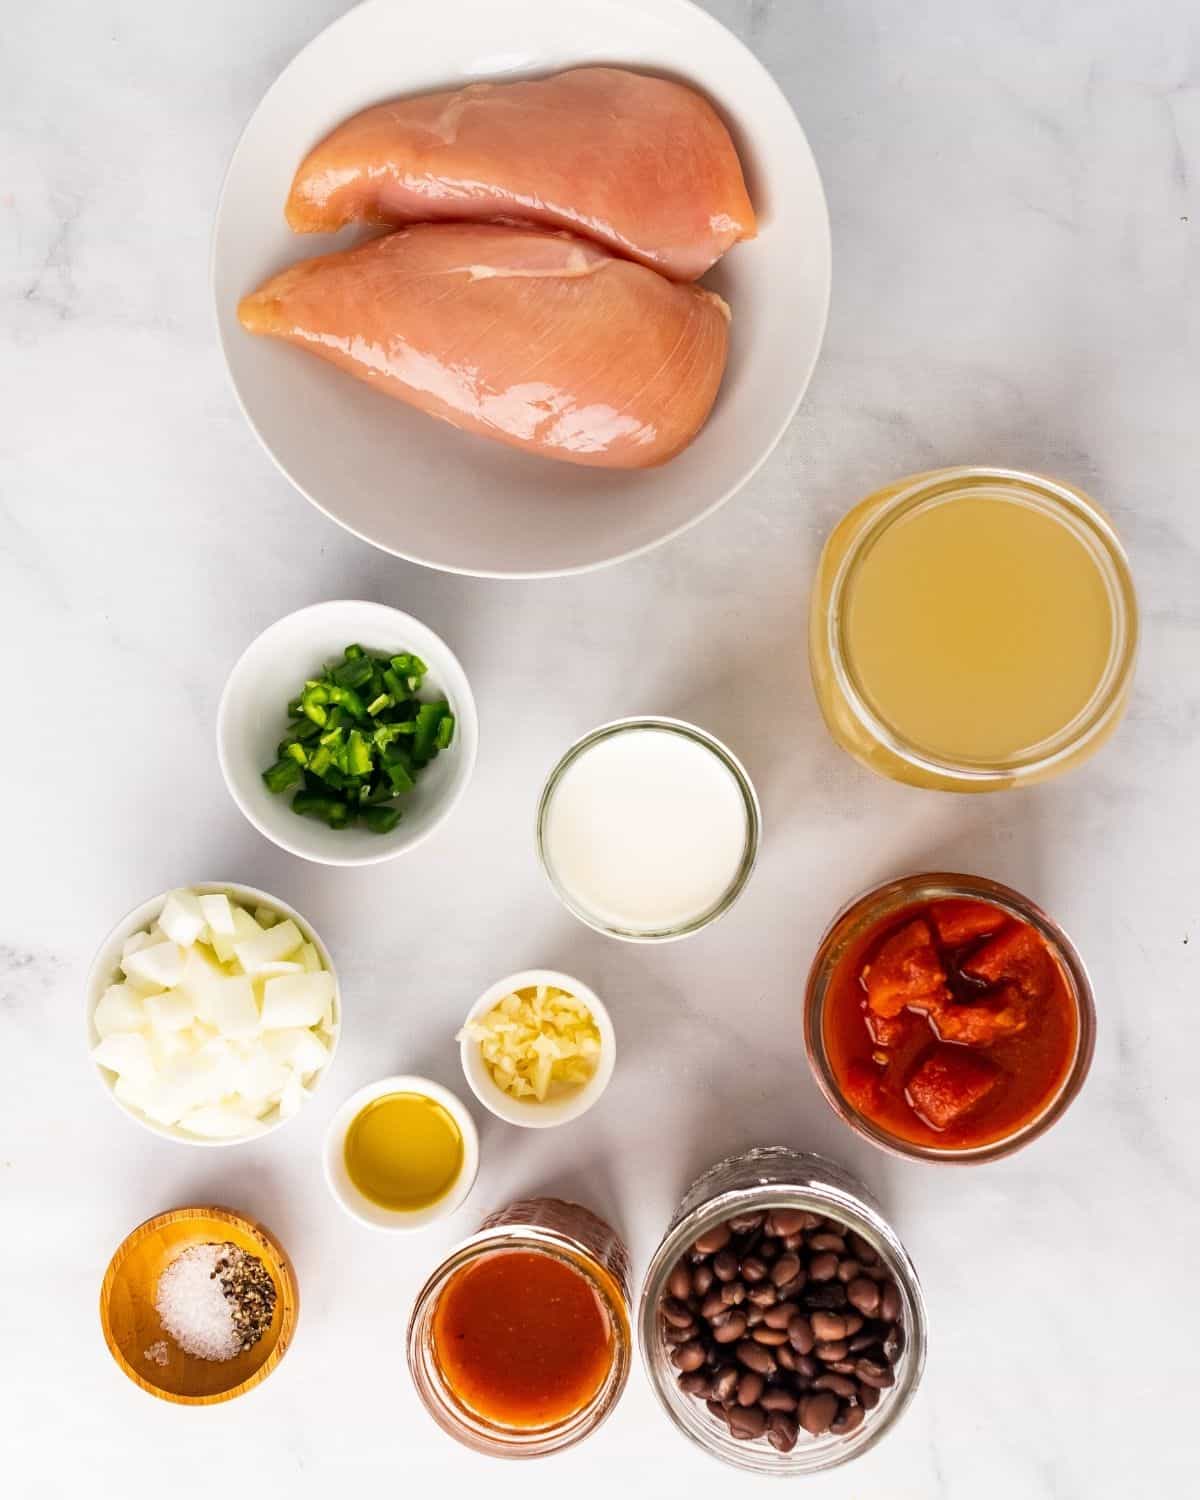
(381, 819)
(358, 738)
(282, 775)
(429, 715)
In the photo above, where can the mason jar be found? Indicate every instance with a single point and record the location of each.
(572, 1235)
(876, 732)
(844, 938)
(736, 861)
(765, 1178)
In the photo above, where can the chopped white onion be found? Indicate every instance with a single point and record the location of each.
(127, 1053)
(171, 1011)
(234, 1010)
(269, 947)
(181, 918)
(221, 1019)
(218, 914)
(296, 1000)
(121, 1008)
(244, 927)
(159, 966)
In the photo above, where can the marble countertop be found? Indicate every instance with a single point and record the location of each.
(1014, 198)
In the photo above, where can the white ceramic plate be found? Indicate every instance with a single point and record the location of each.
(252, 717)
(417, 487)
(105, 970)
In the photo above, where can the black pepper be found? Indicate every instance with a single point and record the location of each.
(250, 1292)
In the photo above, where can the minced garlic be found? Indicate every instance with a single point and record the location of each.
(538, 1043)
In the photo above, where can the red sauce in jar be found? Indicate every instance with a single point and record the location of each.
(522, 1338)
(950, 1024)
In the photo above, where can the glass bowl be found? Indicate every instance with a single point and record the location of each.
(749, 854)
(858, 918)
(779, 1177)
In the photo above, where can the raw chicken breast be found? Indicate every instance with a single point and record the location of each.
(641, 164)
(537, 339)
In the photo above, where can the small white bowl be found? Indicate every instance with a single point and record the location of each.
(360, 1207)
(105, 970)
(252, 719)
(525, 1112)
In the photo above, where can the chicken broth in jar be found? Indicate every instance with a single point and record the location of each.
(972, 630)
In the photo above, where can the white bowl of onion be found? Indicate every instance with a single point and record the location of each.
(212, 1013)
(531, 1082)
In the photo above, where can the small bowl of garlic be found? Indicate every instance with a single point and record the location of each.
(212, 1013)
(538, 1048)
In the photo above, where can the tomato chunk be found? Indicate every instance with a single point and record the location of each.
(1005, 1012)
(959, 922)
(1018, 954)
(891, 1031)
(906, 972)
(862, 1087)
(949, 1083)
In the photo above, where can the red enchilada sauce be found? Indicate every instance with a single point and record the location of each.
(950, 1025)
(522, 1338)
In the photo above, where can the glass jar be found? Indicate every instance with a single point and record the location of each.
(864, 729)
(765, 1178)
(739, 875)
(857, 919)
(587, 1244)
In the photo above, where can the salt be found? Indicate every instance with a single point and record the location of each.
(158, 1353)
(193, 1307)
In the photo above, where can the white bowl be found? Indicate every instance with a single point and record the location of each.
(360, 1207)
(418, 488)
(253, 716)
(527, 1112)
(105, 970)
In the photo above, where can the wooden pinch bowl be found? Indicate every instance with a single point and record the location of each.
(132, 1326)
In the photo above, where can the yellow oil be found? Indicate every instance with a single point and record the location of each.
(404, 1151)
(977, 628)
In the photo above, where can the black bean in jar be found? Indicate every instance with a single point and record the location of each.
(785, 1323)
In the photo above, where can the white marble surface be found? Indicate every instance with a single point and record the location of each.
(1014, 198)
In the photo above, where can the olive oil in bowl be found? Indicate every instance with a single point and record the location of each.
(404, 1151)
(401, 1153)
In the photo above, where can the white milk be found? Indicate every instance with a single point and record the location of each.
(646, 830)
